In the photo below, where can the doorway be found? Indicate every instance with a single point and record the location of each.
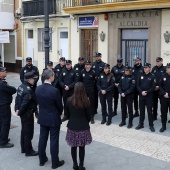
(63, 44)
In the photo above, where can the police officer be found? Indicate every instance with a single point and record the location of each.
(137, 71)
(105, 83)
(146, 85)
(25, 106)
(6, 92)
(158, 71)
(97, 66)
(165, 96)
(126, 88)
(88, 78)
(55, 83)
(80, 65)
(118, 71)
(29, 68)
(67, 80)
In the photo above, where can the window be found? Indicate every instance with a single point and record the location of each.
(30, 33)
(41, 40)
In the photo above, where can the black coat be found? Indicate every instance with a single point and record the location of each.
(78, 117)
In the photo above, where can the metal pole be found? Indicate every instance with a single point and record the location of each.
(46, 32)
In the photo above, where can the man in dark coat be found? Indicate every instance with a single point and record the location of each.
(25, 106)
(6, 92)
(50, 110)
(79, 66)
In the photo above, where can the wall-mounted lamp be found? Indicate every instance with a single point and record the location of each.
(167, 37)
(102, 36)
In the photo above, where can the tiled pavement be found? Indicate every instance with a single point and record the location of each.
(113, 148)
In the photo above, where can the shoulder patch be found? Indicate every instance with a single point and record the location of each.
(28, 88)
(133, 81)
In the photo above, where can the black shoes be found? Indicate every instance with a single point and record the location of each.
(43, 162)
(108, 122)
(82, 168)
(139, 127)
(129, 126)
(31, 153)
(92, 120)
(103, 121)
(75, 167)
(122, 124)
(8, 145)
(152, 129)
(64, 119)
(136, 114)
(60, 163)
(162, 129)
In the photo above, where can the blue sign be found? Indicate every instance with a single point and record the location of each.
(92, 21)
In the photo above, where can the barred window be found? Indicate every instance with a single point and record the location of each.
(41, 40)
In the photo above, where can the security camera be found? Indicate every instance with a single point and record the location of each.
(72, 17)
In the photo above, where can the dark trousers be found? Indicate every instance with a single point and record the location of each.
(96, 100)
(165, 105)
(116, 97)
(103, 99)
(27, 132)
(54, 143)
(91, 94)
(155, 103)
(66, 95)
(146, 101)
(127, 102)
(135, 98)
(5, 121)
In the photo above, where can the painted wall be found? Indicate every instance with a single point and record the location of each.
(165, 47)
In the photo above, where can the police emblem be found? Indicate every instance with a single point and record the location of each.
(116, 70)
(58, 70)
(64, 74)
(155, 71)
(122, 77)
(83, 75)
(77, 68)
(93, 66)
(28, 88)
(25, 71)
(164, 79)
(133, 81)
(142, 77)
(101, 76)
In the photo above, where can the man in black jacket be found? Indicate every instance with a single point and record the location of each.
(25, 106)
(6, 92)
(67, 80)
(79, 66)
(146, 85)
(158, 71)
(137, 71)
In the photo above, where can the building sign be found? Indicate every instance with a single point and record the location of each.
(92, 21)
(133, 23)
(4, 37)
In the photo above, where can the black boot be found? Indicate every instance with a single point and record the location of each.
(122, 124)
(163, 128)
(109, 122)
(75, 166)
(92, 120)
(81, 167)
(103, 120)
(129, 125)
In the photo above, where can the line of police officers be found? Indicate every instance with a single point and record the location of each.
(99, 80)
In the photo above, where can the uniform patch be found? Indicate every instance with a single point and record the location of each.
(142, 77)
(133, 81)
(58, 70)
(28, 88)
(122, 77)
(164, 79)
(101, 76)
(154, 80)
(77, 68)
(116, 70)
(25, 71)
(93, 66)
(154, 71)
(83, 75)
(64, 74)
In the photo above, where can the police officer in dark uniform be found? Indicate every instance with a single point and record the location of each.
(58, 70)
(158, 71)
(126, 88)
(118, 71)
(29, 68)
(79, 66)
(25, 106)
(165, 96)
(6, 92)
(146, 85)
(67, 80)
(97, 66)
(55, 83)
(105, 84)
(88, 78)
(137, 71)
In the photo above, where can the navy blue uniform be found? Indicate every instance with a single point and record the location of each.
(127, 86)
(106, 82)
(26, 104)
(118, 72)
(165, 102)
(146, 82)
(158, 72)
(78, 69)
(6, 93)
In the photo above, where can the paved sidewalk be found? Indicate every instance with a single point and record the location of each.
(113, 148)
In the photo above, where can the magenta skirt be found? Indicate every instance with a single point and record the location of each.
(78, 138)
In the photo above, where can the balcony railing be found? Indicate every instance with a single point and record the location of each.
(36, 7)
(73, 3)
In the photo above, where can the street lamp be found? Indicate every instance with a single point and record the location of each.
(46, 31)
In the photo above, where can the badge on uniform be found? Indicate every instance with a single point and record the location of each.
(142, 77)
(154, 71)
(83, 75)
(164, 79)
(77, 68)
(64, 74)
(133, 81)
(101, 76)
(122, 77)
(93, 66)
(58, 70)
(116, 70)
(28, 88)
(25, 71)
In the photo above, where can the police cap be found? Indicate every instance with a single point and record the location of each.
(68, 62)
(98, 54)
(168, 65)
(29, 75)
(147, 65)
(137, 59)
(50, 63)
(29, 59)
(2, 69)
(119, 60)
(158, 59)
(128, 68)
(62, 59)
(107, 66)
(88, 63)
(81, 58)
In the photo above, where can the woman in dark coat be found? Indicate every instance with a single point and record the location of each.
(78, 133)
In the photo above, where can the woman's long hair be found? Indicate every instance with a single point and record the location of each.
(79, 99)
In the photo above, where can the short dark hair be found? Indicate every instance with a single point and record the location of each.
(47, 74)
